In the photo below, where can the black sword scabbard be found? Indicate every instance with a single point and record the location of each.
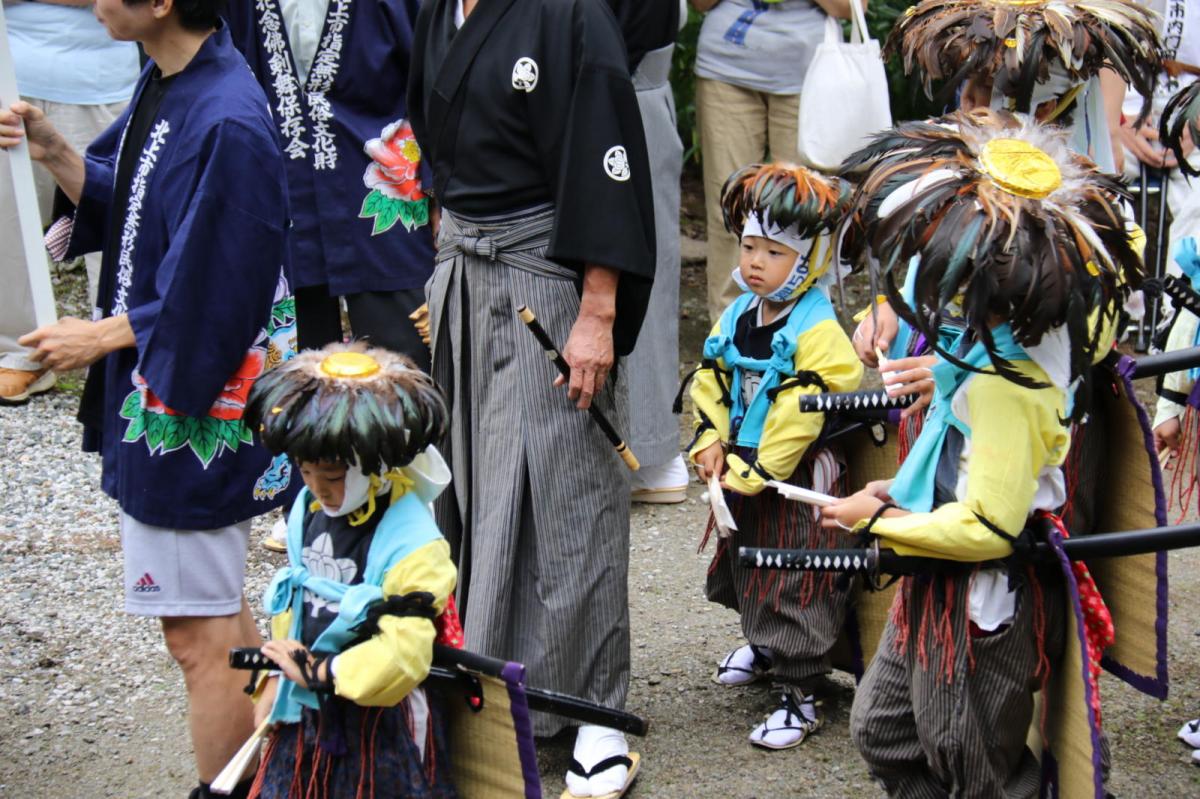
(450, 671)
(1163, 363)
(886, 561)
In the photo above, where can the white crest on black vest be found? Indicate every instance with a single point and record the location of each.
(525, 74)
(616, 163)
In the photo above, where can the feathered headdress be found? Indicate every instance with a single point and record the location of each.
(1181, 113)
(1006, 220)
(1019, 42)
(787, 194)
(348, 403)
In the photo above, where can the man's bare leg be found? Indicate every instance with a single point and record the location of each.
(220, 715)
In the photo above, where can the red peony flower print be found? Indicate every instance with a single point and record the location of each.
(395, 159)
(231, 402)
(232, 399)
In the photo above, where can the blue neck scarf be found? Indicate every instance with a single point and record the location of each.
(1189, 262)
(913, 488)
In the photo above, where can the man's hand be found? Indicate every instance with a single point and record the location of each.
(910, 376)
(868, 338)
(43, 138)
(1143, 143)
(1167, 436)
(710, 461)
(590, 352)
(22, 121)
(72, 343)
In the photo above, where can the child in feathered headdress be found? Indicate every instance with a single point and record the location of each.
(369, 580)
(1027, 240)
(1044, 58)
(776, 341)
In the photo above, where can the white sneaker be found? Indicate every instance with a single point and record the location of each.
(1196, 758)
(788, 726)
(661, 485)
(744, 665)
(1190, 733)
(602, 765)
(276, 540)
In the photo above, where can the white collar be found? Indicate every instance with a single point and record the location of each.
(459, 16)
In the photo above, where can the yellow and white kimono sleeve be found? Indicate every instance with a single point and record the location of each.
(824, 349)
(711, 414)
(787, 433)
(1183, 333)
(1015, 434)
(382, 670)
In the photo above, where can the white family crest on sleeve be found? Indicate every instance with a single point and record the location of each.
(616, 163)
(525, 74)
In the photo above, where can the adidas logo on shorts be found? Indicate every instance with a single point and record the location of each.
(146, 585)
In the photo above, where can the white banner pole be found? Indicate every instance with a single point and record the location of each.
(28, 216)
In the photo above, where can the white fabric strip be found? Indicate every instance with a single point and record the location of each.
(28, 216)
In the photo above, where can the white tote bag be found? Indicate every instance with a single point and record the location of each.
(845, 96)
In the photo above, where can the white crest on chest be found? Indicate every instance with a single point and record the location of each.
(319, 559)
(525, 74)
(616, 163)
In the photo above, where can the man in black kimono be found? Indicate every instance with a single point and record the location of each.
(526, 111)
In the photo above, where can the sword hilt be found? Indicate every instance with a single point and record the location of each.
(854, 402)
(854, 561)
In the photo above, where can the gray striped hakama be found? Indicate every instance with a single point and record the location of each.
(797, 614)
(539, 511)
(653, 366)
(947, 714)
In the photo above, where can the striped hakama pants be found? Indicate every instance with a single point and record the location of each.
(797, 614)
(941, 713)
(538, 514)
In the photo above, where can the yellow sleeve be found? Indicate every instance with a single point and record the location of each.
(711, 414)
(382, 670)
(1183, 333)
(1015, 433)
(281, 625)
(787, 433)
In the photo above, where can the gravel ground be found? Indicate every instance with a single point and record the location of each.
(91, 706)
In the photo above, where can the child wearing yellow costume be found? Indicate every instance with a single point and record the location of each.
(1031, 238)
(777, 341)
(355, 613)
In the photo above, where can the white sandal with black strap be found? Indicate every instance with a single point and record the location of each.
(790, 725)
(744, 665)
(607, 753)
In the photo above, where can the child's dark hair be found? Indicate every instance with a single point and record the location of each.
(194, 15)
(349, 403)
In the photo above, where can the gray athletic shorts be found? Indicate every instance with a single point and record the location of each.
(183, 572)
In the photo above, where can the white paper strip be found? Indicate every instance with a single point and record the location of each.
(721, 512)
(798, 494)
(28, 216)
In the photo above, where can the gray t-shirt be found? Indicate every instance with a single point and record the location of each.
(758, 45)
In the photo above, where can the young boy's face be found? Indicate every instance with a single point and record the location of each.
(765, 264)
(326, 480)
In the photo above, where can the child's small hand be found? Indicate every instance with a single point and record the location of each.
(710, 461)
(266, 701)
(910, 376)
(1167, 435)
(283, 653)
(879, 488)
(845, 513)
